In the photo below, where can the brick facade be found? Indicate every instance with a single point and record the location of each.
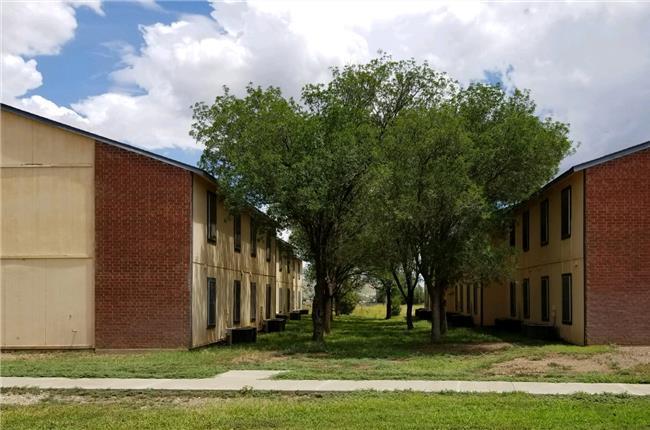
(617, 249)
(143, 246)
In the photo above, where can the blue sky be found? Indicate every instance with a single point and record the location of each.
(131, 70)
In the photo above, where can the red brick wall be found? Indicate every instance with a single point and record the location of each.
(143, 246)
(618, 250)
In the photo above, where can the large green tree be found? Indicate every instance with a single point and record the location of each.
(308, 161)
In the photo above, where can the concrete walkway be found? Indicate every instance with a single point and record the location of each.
(259, 380)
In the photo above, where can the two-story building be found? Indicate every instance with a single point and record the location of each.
(583, 256)
(105, 245)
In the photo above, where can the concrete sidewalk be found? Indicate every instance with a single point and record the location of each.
(259, 380)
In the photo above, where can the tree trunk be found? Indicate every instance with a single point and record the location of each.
(327, 323)
(409, 308)
(321, 297)
(443, 311)
(389, 300)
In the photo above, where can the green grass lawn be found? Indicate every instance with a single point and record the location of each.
(360, 347)
(362, 410)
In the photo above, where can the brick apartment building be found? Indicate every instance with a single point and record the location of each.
(108, 246)
(583, 256)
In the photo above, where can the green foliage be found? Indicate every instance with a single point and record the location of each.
(346, 305)
(396, 305)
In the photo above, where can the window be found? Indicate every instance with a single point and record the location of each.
(268, 246)
(525, 287)
(462, 299)
(475, 299)
(512, 234)
(545, 299)
(236, 303)
(469, 309)
(288, 264)
(280, 257)
(456, 297)
(269, 297)
(525, 230)
(543, 222)
(513, 300)
(566, 212)
(237, 227)
(253, 239)
(212, 302)
(253, 301)
(567, 299)
(212, 217)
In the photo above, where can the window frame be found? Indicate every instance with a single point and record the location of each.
(211, 319)
(525, 294)
(567, 308)
(253, 301)
(545, 303)
(525, 230)
(544, 223)
(237, 232)
(253, 234)
(566, 197)
(513, 299)
(211, 208)
(236, 302)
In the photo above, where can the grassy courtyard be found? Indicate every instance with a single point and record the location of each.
(362, 410)
(362, 346)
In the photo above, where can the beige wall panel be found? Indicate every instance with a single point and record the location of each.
(47, 303)
(47, 211)
(25, 141)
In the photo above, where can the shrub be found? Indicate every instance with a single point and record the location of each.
(347, 303)
(395, 306)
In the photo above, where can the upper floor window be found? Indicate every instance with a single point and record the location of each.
(525, 231)
(237, 232)
(512, 234)
(253, 239)
(543, 222)
(212, 217)
(567, 299)
(268, 246)
(566, 212)
(288, 264)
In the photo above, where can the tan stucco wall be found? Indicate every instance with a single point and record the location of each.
(221, 262)
(46, 235)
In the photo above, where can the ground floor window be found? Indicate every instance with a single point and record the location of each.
(545, 298)
(212, 302)
(469, 309)
(236, 303)
(475, 299)
(288, 300)
(525, 286)
(253, 301)
(269, 294)
(567, 299)
(513, 299)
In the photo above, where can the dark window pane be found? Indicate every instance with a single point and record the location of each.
(269, 296)
(526, 296)
(253, 239)
(525, 231)
(512, 234)
(475, 299)
(268, 246)
(566, 212)
(543, 222)
(253, 301)
(567, 299)
(236, 314)
(237, 232)
(212, 302)
(288, 299)
(513, 300)
(212, 217)
(545, 299)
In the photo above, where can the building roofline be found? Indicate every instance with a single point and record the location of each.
(588, 164)
(131, 148)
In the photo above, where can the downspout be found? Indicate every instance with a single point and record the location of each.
(584, 254)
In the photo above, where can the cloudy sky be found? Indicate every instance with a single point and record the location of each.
(130, 70)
